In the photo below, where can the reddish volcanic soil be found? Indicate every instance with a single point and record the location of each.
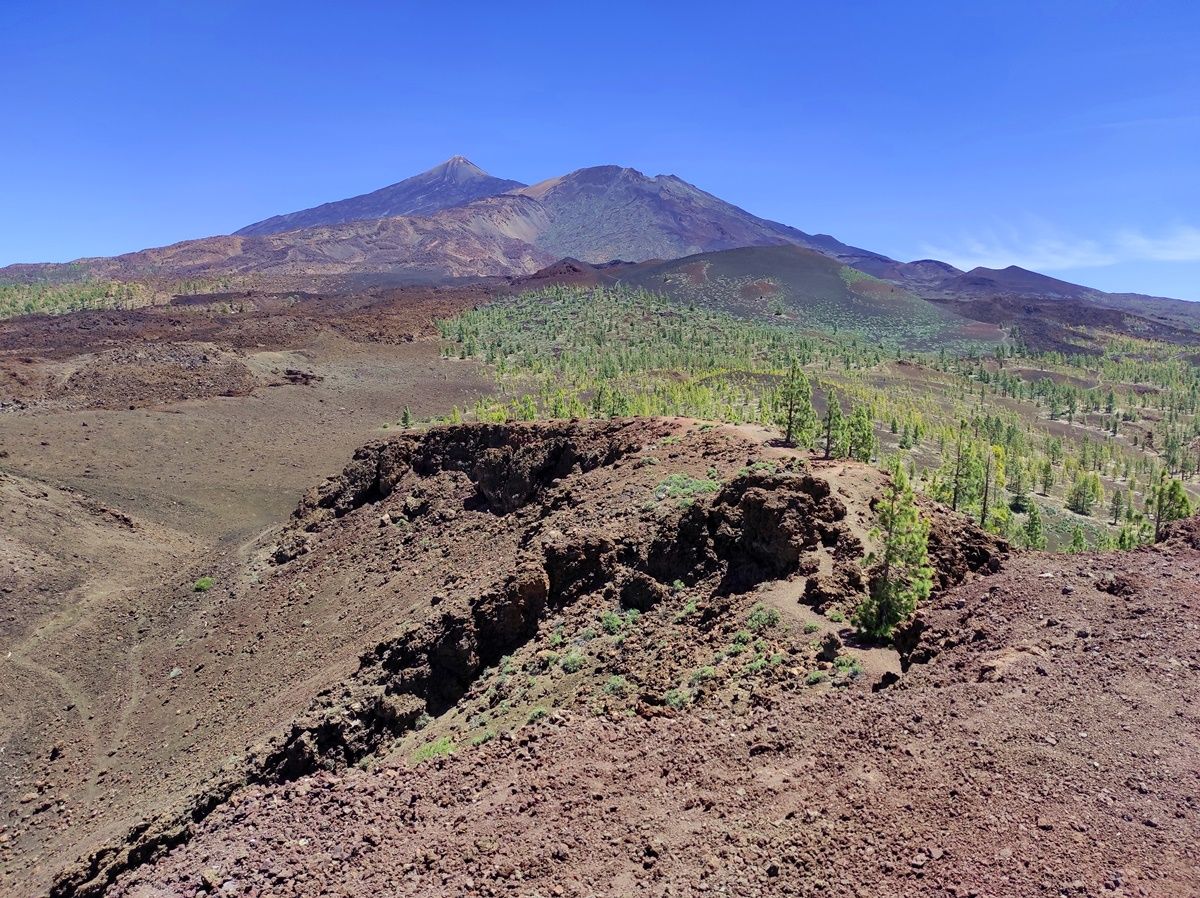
(1045, 745)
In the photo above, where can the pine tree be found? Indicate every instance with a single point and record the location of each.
(901, 575)
(1085, 492)
(862, 434)
(1047, 477)
(958, 466)
(1033, 534)
(1117, 506)
(1170, 503)
(1078, 543)
(798, 416)
(1020, 498)
(406, 419)
(837, 435)
(993, 476)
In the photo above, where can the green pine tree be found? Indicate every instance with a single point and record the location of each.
(1170, 503)
(1078, 542)
(1033, 533)
(837, 433)
(1047, 476)
(862, 434)
(799, 418)
(901, 574)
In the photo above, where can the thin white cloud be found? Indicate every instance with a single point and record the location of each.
(1182, 244)
(1042, 248)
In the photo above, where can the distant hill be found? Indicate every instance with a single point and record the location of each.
(455, 182)
(787, 283)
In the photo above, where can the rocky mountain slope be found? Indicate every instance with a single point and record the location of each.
(1042, 743)
(452, 586)
(611, 657)
(601, 657)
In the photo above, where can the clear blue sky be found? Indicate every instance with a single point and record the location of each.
(1064, 136)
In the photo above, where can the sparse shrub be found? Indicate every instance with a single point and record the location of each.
(423, 720)
(684, 486)
(438, 748)
(611, 623)
(686, 611)
(571, 662)
(482, 738)
(678, 698)
(702, 675)
(810, 628)
(204, 584)
(757, 665)
(536, 714)
(762, 618)
(836, 616)
(814, 677)
(617, 685)
(848, 664)
(743, 637)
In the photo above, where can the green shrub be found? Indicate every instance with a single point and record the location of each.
(537, 714)
(684, 486)
(204, 584)
(438, 748)
(814, 677)
(678, 698)
(811, 628)
(611, 623)
(762, 618)
(616, 685)
(703, 675)
(481, 738)
(686, 611)
(836, 616)
(571, 662)
(758, 665)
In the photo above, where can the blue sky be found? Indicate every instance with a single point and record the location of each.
(1060, 136)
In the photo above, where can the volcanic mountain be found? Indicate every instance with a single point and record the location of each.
(457, 221)
(430, 227)
(455, 182)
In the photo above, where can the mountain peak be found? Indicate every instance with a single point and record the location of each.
(458, 167)
(455, 182)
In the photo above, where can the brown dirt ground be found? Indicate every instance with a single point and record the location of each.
(110, 512)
